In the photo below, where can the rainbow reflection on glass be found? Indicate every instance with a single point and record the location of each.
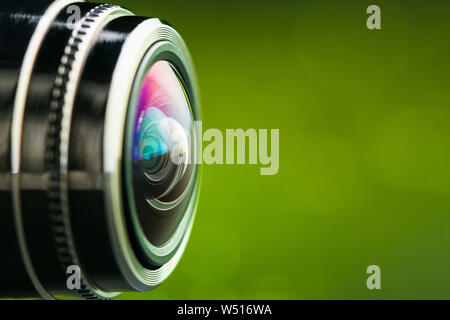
(162, 152)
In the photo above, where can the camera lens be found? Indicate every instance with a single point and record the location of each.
(97, 142)
(162, 176)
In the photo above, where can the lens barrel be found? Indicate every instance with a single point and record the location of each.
(71, 78)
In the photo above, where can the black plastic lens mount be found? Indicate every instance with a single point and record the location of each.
(68, 89)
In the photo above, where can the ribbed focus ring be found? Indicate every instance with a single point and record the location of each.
(58, 206)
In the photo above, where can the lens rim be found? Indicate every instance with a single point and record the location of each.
(156, 255)
(158, 41)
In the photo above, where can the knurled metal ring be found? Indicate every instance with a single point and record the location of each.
(61, 106)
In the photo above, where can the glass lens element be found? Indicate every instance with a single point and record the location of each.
(163, 140)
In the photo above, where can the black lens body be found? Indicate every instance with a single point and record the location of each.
(57, 207)
(14, 42)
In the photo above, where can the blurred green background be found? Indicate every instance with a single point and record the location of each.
(364, 119)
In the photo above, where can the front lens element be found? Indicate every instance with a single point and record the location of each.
(162, 150)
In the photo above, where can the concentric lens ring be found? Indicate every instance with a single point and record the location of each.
(163, 43)
(162, 147)
(66, 82)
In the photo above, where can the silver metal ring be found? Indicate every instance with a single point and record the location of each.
(64, 93)
(16, 131)
(150, 37)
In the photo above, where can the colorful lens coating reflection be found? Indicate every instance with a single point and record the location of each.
(162, 151)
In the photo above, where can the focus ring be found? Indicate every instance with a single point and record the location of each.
(58, 207)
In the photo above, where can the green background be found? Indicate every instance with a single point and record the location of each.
(364, 159)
